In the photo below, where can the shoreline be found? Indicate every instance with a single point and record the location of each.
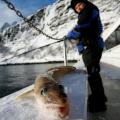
(49, 62)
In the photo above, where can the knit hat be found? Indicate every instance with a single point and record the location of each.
(74, 2)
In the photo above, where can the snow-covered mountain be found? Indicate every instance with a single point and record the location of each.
(6, 25)
(55, 20)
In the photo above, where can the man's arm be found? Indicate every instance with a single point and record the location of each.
(83, 22)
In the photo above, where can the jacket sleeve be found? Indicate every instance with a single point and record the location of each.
(83, 22)
(86, 21)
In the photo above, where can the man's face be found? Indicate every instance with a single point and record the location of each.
(79, 7)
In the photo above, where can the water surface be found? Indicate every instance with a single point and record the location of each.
(16, 77)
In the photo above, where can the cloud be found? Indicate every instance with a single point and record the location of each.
(27, 7)
(6, 15)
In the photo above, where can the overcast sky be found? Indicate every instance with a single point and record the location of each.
(27, 7)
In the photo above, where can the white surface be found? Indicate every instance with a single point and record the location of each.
(112, 56)
(75, 86)
(10, 109)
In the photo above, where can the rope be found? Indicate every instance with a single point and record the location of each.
(18, 13)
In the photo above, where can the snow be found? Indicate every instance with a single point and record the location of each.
(110, 63)
(56, 21)
(10, 108)
(25, 41)
(111, 29)
(112, 56)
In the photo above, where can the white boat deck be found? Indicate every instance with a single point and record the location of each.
(75, 87)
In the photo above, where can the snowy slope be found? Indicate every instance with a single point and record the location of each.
(56, 21)
(112, 56)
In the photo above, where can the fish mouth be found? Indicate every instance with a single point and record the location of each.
(55, 106)
(60, 109)
(52, 105)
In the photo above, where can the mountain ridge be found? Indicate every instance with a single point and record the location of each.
(55, 20)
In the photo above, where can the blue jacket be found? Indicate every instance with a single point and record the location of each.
(88, 28)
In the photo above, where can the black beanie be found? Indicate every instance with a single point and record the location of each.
(74, 2)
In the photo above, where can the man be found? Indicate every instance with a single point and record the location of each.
(88, 32)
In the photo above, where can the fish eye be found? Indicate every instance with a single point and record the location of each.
(61, 87)
(44, 91)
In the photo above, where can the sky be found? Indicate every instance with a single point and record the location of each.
(27, 7)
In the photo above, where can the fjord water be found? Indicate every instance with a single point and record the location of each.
(16, 77)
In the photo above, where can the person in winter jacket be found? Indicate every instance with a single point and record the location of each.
(88, 31)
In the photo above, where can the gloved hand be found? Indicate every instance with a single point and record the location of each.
(73, 35)
(80, 47)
